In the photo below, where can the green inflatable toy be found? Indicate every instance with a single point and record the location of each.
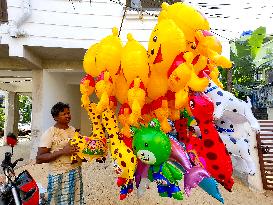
(153, 147)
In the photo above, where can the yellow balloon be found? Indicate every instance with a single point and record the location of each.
(123, 157)
(134, 61)
(121, 88)
(157, 86)
(165, 43)
(136, 100)
(186, 17)
(89, 61)
(209, 46)
(109, 53)
(104, 89)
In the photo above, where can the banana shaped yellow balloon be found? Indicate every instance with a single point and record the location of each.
(166, 42)
(122, 156)
(134, 61)
(104, 89)
(136, 100)
(87, 87)
(209, 46)
(186, 17)
(109, 53)
(94, 146)
(89, 61)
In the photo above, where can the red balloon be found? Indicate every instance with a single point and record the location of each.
(212, 149)
(90, 78)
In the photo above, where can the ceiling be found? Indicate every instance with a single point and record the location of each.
(61, 54)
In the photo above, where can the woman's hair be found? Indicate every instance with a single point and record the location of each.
(57, 108)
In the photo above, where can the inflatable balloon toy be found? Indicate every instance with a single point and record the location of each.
(227, 106)
(193, 175)
(121, 88)
(161, 112)
(87, 87)
(206, 44)
(153, 147)
(89, 61)
(122, 156)
(213, 74)
(107, 62)
(93, 146)
(236, 141)
(207, 183)
(135, 67)
(207, 51)
(134, 61)
(136, 100)
(167, 56)
(109, 54)
(141, 177)
(104, 56)
(104, 89)
(123, 115)
(199, 40)
(162, 50)
(180, 13)
(211, 147)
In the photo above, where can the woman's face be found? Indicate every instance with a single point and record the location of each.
(64, 117)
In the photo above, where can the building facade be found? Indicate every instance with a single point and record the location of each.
(42, 44)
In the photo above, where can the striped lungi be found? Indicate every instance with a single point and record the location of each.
(66, 188)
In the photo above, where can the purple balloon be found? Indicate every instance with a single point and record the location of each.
(179, 155)
(192, 175)
(141, 172)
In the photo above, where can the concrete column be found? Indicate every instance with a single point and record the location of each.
(16, 114)
(37, 111)
(11, 113)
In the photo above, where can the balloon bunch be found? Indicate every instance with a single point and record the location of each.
(179, 71)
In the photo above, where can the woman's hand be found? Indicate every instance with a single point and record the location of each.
(69, 149)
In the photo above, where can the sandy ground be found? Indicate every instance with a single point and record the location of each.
(22, 150)
(100, 187)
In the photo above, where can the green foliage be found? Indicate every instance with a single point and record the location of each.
(2, 118)
(256, 39)
(25, 108)
(243, 54)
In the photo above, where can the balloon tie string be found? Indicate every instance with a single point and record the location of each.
(123, 17)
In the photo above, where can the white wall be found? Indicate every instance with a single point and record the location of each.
(74, 100)
(56, 89)
(86, 127)
(57, 23)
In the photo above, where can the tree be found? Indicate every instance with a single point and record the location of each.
(2, 118)
(25, 108)
(245, 68)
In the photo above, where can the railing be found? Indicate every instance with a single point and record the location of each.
(265, 151)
